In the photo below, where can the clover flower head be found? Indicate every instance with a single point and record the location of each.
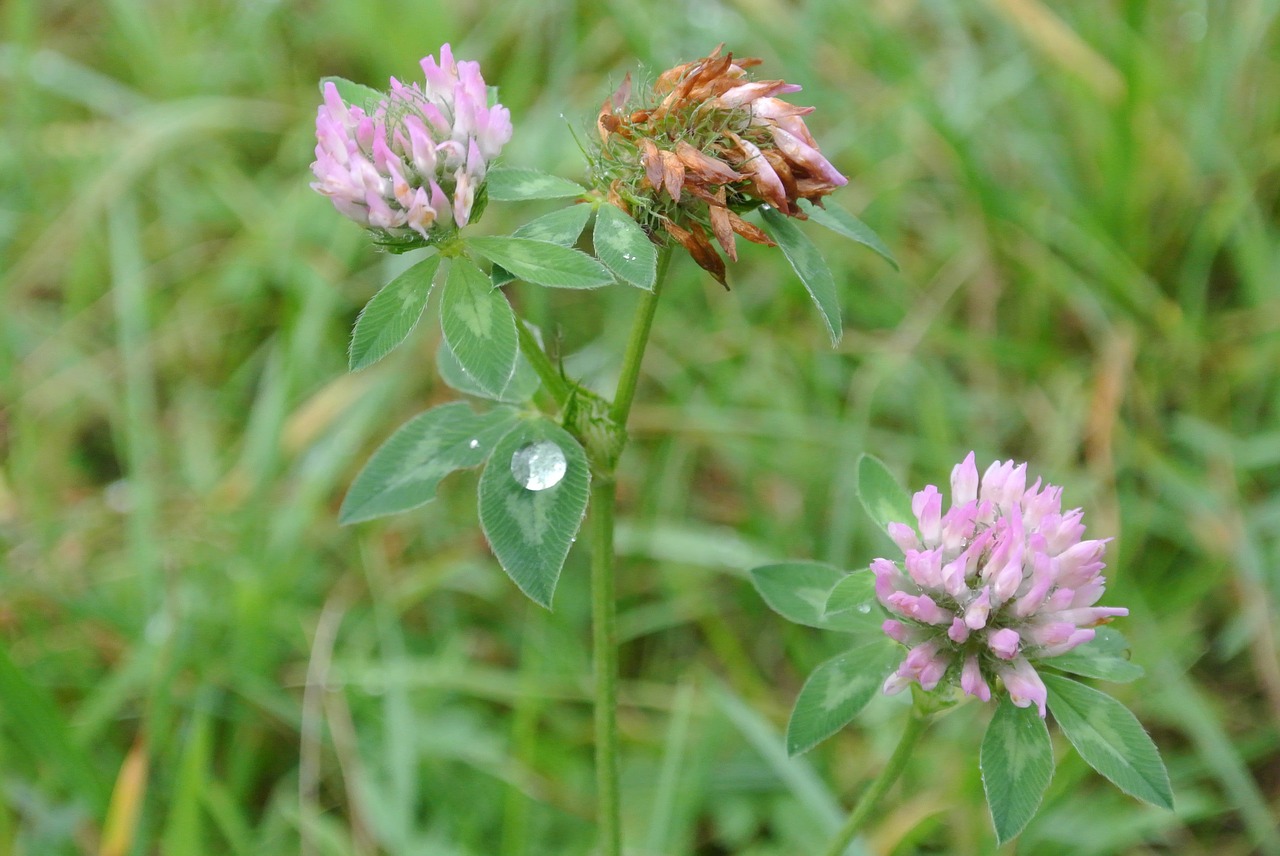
(704, 144)
(412, 163)
(1002, 580)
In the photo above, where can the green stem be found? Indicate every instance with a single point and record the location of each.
(871, 797)
(551, 379)
(604, 634)
(636, 344)
(604, 638)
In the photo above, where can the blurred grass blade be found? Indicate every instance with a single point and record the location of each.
(668, 793)
(120, 828)
(1184, 703)
(183, 829)
(131, 301)
(796, 774)
(42, 733)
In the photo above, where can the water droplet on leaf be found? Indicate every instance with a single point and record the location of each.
(629, 257)
(474, 444)
(539, 465)
(865, 608)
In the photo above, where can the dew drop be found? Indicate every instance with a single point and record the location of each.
(864, 608)
(474, 444)
(539, 465)
(629, 257)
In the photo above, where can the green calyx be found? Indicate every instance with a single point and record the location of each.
(587, 417)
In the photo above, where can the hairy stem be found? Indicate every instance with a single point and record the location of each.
(604, 634)
(604, 640)
(552, 381)
(877, 789)
(636, 344)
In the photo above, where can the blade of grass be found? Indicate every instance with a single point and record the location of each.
(670, 789)
(39, 729)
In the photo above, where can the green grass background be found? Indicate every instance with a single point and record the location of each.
(197, 659)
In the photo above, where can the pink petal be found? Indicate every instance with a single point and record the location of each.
(919, 607)
(975, 615)
(903, 535)
(1004, 643)
(964, 482)
(1024, 684)
(971, 680)
(896, 630)
(926, 505)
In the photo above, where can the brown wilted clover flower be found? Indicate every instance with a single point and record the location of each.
(704, 145)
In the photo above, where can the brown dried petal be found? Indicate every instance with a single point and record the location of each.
(651, 160)
(707, 71)
(722, 228)
(750, 231)
(813, 188)
(672, 173)
(711, 171)
(603, 125)
(699, 248)
(672, 76)
(699, 191)
(609, 123)
(614, 198)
